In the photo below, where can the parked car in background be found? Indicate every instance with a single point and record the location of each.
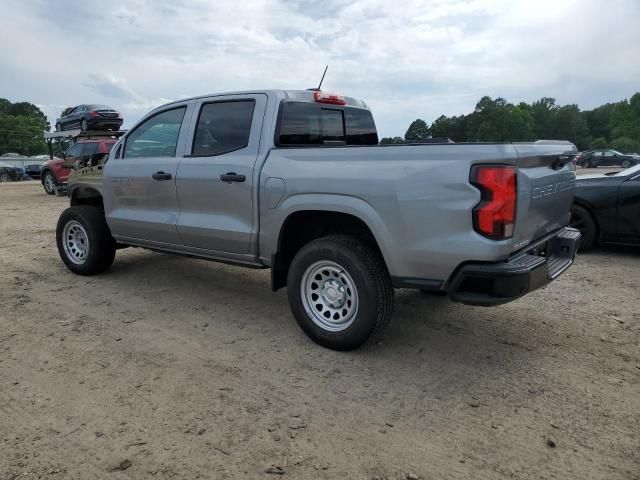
(606, 208)
(90, 117)
(33, 171)
(9, 173)
(55, 174)
(11, 155)
(606, 158)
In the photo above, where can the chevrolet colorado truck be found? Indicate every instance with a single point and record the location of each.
(295, 181)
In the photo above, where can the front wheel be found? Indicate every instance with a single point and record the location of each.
(584, 222)
(49, 183)
(340, 292)
(84, 240)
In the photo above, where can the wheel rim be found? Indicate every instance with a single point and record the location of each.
(49, 184)
(83, 125)
(626, 164)
(4, 178)
(76, 242)
(329, 296)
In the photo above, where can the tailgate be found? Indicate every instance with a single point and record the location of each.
(545, 190)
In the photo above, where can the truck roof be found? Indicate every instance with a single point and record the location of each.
(293, 95)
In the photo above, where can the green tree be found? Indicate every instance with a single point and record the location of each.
(418, 131)
(598, 143)
(22, 126)
(500, 121)
(454, 128)
(626, 145)
(392, 141)
(571, 125)
(545, 114)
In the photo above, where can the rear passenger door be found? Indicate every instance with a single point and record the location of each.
(139, 180)
(215, 178)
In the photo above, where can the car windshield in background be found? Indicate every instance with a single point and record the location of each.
(628, 171)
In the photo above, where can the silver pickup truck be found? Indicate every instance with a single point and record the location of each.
(295, 181)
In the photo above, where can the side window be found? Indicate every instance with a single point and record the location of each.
(361, 129)
(223, 127)
(90, 148)
(157, 136)
(75, 151)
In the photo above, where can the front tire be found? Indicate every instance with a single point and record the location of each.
(582, 219)
(49, 183)
(340, 292)
(84, 240)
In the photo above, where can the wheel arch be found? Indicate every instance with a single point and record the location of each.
(83, 195)
(305, 223)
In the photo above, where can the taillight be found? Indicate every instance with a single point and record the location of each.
(495, 215)
(330, 98)
(93, 113)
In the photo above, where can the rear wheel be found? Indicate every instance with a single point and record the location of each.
(5, 177)
(625, 163)
(84, 241)
(339, 291)
(582, 219)
(49, 183)
(84, 126)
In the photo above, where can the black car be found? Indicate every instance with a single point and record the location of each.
(606, 158)
(33, 171)
(606, 208)
(9, 173)
(90, 117)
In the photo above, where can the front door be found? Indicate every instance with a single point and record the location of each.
(139, 184)
(215, 178)
(629, 210)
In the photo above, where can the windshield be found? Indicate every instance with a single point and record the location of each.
(628, 171)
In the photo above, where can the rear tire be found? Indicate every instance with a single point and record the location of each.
(340, 292)
(84, 240)
(625, 164)
(582, 219)
(84, 126)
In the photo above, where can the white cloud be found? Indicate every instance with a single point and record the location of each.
(407, 60)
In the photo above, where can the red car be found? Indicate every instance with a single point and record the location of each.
(55, 174)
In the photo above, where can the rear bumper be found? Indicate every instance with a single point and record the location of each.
(488, 284)
(97, 123)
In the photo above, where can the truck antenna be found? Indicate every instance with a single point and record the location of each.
(322, 79)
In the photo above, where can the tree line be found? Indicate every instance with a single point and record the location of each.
(22, 127)
(612, 125)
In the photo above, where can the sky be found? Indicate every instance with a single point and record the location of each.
(406, 59)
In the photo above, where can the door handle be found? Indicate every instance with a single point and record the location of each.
(232, 177)
(161, 176)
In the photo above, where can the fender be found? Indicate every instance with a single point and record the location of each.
(272, 221)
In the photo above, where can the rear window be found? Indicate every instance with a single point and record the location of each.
(317, 124)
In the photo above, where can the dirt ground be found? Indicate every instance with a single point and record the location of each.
(173, 368)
